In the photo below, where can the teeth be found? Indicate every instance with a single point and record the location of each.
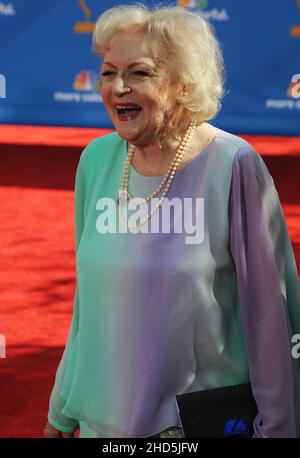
(121, 110)
(127, 107)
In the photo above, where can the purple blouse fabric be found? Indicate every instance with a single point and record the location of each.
(267, 278)
(155, 316)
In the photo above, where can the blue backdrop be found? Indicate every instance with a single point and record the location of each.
(48, 71)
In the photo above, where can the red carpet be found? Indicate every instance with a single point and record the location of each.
(37, 257)
(74, 136)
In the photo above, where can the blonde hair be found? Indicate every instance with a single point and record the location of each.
(184, 40)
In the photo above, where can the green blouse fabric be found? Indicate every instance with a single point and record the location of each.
(156, 314)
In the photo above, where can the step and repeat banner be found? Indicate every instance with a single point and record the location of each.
(48, 72)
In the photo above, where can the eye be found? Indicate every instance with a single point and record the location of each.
(141, 73)
(107, 73)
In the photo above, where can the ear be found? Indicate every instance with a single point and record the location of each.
(182, 89)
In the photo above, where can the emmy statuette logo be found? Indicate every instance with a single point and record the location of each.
(86, 26)
(295, 30)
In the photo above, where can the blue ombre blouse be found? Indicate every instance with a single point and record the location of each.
(155, 316)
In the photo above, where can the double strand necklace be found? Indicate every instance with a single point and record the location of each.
(125, 195)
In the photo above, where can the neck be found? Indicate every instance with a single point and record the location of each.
(163, 148)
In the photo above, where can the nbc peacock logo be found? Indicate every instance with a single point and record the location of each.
(292, 101)
(85, 81)
(294, 87)
(210, 14)
(200, 4)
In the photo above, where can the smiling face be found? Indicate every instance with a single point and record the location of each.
(138, 92)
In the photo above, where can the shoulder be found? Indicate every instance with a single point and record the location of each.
(245, 159)
(100, 148)
(231, 141)
(234, 146)
(228, 148)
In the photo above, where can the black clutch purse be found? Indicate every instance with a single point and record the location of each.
(220, 412)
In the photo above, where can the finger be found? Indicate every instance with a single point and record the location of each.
(67, 435)
(52, 434)
(50, 431)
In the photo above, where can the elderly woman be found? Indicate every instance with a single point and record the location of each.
(157, 312)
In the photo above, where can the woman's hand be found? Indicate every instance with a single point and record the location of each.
(51, 432)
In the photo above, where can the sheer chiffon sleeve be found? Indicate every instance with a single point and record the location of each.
(56, 404)
(269, 291)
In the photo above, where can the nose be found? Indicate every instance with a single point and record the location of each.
(120, 86)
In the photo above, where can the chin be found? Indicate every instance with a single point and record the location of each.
(127, 134)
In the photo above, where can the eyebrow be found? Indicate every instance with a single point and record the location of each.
(129, 66)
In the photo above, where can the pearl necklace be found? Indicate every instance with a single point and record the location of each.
(166, 182)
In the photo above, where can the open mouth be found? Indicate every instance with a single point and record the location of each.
(127, 111)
